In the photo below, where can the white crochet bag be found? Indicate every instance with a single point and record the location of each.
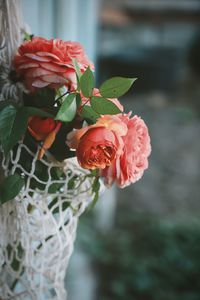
(38, 227)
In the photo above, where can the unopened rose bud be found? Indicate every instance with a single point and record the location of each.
(40, 127)
(43, 129)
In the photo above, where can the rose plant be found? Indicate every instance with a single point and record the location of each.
(65, 114)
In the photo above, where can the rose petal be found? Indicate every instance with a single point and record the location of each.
(113, 123)
(48, 55)
(54, 79)
(36, 57)
(28, 65)
(53, 67)
(39, 83)
(37, 72)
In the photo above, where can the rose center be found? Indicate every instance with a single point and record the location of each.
(101, 154)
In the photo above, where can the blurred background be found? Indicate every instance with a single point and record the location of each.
(142, 242)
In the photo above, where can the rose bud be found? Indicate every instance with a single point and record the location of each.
(40, 127)
(43, 129)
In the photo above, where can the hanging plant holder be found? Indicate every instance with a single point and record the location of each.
(38, 227)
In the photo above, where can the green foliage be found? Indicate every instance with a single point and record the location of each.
(89, 114)
(87, 83)
(27, 36)
(78, 73)
(77, 68)
(95, 189)
(146, 259)
(4, 103)
(78, 100)
(67, 110)
(13, 123)
(116, 87)
(34, 111)
(104, 106)
(18, 129)
(44, 97)
(10, 187)
(7, 118)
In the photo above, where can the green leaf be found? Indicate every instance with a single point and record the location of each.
(67, 110)
(104, 106)
(44, 97)
(17, 129)
(14, 122)
(87, 83)
(3, 104)
(33, 111)
(78, 100)
(7, 118)
(89, 114)
(77, 68)
(11, 187)
(27, 36)
(78, 72)
(95, 189)
(116, 87)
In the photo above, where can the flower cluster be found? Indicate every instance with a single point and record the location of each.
(67, 114)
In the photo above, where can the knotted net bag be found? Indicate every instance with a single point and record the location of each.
(38, 227)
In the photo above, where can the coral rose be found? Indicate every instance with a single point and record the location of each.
(130, 165)
(118, 145)
(97, 146)
(44, 62)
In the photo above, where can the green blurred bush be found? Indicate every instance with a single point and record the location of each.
(146, 259)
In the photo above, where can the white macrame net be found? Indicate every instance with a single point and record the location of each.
(36, 232)
(38, 227)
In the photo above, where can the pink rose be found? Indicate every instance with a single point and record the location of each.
(96, 93)
(44, 63)
(130, 165)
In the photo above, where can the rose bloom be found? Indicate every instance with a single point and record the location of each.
(130, 165)
(98, 145)
(43, 62)
(117, 145)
